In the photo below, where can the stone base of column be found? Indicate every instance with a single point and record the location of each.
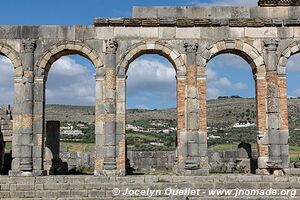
(292, 171)
(193, 172)
(262, 172)
(109, 173)
(24, 173)
(196, 166)
(110, 164)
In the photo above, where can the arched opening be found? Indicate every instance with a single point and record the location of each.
(70, 115)
(293, 95)
(231, 114)
(6, 118)
(151, 115)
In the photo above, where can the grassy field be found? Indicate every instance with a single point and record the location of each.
(8, 146)
(77, 147)
(226, 147)
(294, 153)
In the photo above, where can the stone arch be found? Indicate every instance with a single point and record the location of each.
(67, 48)
(289, 51)
(246, 51)
(160, 48)
(11, 54)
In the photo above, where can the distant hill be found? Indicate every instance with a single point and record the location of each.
(219, 111)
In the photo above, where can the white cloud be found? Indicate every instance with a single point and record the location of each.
(151, 83)
(6, 81)
(213, 93)
(224, 3)
(68, 67)
(141, 106)
(240, 86)
(150, 75)
(293, 64)
(70, 83)
(216, 84)
(296, 93)
(211, 74)
(224, 82)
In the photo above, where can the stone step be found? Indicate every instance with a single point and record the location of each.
(92, 187)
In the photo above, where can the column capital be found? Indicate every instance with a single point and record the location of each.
(29, 46)
(111, 46)
(201, 77)
(260, 76)
(271, 44)
(122, 76)
(282, 76)
(190, 47)
(180, 77)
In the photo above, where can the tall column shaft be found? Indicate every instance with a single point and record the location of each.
(121, 124)
(191, 152)
(262, 136)
(110, 105)
(38, 124)
(23, 140)
(181, 118)
(276, 137)
(284, 122)
(192, 101)
(201, 82)
(100, 121)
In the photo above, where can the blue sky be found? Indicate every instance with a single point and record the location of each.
(82, 12)
(71, 78)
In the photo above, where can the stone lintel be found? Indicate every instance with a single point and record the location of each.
(187, 22)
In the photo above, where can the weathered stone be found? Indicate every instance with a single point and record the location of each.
(187, 36)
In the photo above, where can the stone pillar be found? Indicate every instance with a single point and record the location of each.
(181, 152)
(110, 164)
(100, 121)
(262, 136)
(23, 101)
(38, 124)
(274, 163)
(195, 150)
(52, 146)
(201, 84)
(284, 121)
(121, 124)
(192, 101)
(2, 151)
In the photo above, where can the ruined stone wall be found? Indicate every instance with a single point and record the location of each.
(189, 37)
(147, 161)
(6, 122)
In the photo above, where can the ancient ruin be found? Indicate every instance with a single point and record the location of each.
(266, 37)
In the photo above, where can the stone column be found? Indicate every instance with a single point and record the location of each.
(52, 146)
(273, 118)
(284, 121)
(121, 124)
(100, 121)
(192, 101)
(181, 151)
(23, 139)
(262, 136)
(38, 123)
(201, 84)
(193, 162)
(2, 151)
(110, 165)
